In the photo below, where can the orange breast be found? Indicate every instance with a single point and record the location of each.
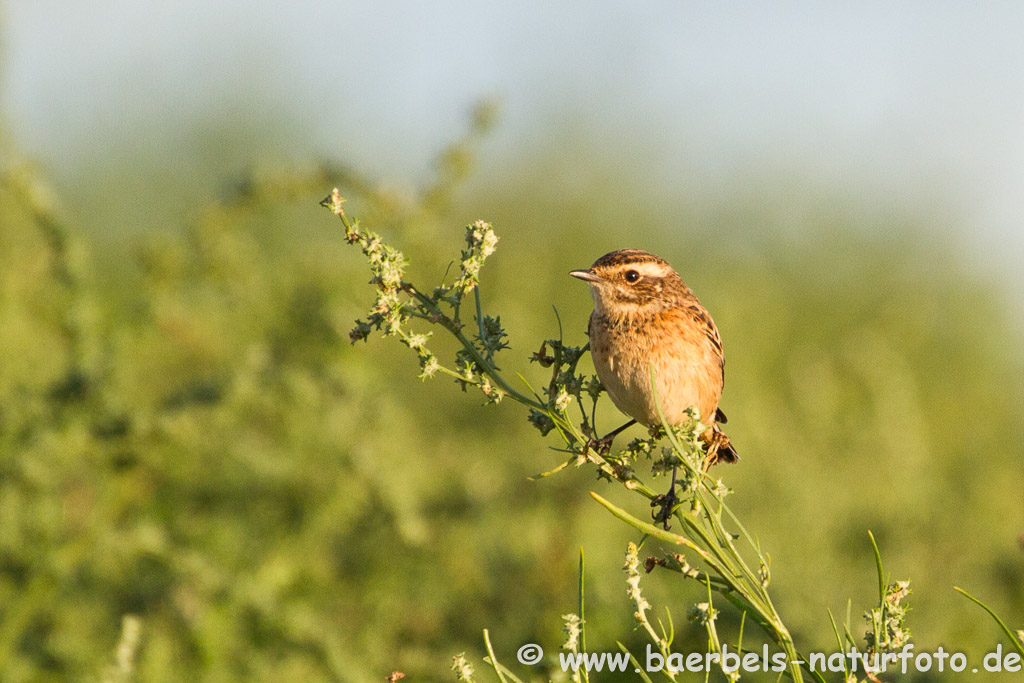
(686, 366)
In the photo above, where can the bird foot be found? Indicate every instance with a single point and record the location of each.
(602, 446)
(664, 505)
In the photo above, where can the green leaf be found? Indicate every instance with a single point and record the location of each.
(1002, 624)
(878, 566)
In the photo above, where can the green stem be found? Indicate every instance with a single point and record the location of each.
(474, 353)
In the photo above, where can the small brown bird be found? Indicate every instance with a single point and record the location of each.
(644, 315)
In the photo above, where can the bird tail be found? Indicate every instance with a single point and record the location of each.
(720, 448)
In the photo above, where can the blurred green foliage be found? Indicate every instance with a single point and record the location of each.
(188, 436)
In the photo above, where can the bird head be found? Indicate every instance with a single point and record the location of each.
(632, 281)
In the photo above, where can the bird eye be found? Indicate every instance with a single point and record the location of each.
(632, 276)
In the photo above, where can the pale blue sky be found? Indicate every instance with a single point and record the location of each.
(920, 101)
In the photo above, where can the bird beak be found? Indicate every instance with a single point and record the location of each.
(588, 275)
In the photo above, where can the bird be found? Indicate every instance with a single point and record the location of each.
(646, 317)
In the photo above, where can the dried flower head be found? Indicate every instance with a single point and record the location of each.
(573, 628)
(887, 620)
(702, 613)
(462, 668)
(633, 574)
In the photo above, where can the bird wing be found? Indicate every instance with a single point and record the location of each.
(707, 325)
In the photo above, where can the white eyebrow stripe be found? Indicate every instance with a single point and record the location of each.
(650, 269)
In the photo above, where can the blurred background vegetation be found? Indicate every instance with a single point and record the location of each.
(187, 436)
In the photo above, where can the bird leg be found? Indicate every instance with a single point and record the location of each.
(603, 445)
(666, 502)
